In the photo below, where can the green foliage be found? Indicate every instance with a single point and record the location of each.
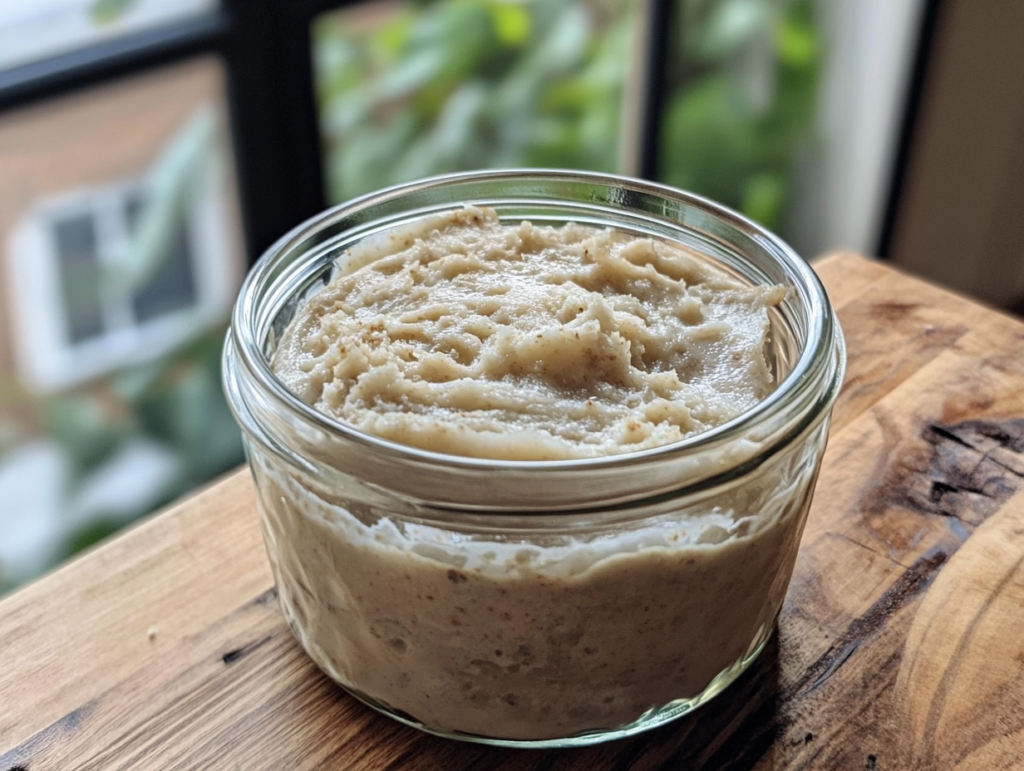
(184, 408)
(450, 85)
(175, 401)
(463, 84)
(88, 430)
(741, 101)
(89, 536)
(109, 11)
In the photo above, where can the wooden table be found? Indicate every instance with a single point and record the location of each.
(901, 644)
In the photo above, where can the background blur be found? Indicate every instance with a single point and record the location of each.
(151, 149)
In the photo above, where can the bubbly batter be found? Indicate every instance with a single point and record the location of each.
(530, 343)
(466, 336)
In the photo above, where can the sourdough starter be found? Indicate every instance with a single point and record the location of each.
(466, 336)
(469, 337)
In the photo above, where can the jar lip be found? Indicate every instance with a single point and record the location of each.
(818, 351)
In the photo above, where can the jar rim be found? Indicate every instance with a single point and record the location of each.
(823, 344)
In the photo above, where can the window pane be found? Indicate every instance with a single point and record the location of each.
(789, 110)
(741, 85)
(36, 29)
(173, 286)
(79, 277)
(407, 90)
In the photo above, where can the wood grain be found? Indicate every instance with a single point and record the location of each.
(962, 659)
(899, 646)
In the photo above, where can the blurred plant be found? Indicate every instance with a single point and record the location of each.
(109, 11)
(447, 86)
(183, 167)
(742, 90)
(175, 401)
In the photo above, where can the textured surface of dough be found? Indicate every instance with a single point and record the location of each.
(472, 337)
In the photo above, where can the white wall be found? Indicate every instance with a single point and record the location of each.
(844, 177)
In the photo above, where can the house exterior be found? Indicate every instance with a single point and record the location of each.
(120, 253)
(75, 174)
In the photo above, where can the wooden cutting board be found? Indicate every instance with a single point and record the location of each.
(901, 644)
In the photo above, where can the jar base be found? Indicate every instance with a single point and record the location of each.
(653, 718)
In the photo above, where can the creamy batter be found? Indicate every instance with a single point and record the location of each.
(471, 337)
(466, 336)
(510, 638)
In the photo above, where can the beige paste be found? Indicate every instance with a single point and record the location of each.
(470, 337)
(467, 336)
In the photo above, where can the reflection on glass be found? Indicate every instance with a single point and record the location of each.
(406, 90)
(121, 246)
(36, 29)
(741, 83)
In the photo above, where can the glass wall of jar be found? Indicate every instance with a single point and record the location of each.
(535, 603)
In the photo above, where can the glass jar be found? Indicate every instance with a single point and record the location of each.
(535, 603)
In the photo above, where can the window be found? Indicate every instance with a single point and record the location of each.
(120, 273)
(121, 251)
(84, 309)
(31, 30)
(80, 276)
(173, 286)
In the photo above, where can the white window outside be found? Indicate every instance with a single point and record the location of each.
(74, 320)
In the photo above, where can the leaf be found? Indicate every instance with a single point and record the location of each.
(365, 158)
(90, 535)
(344, 113)
(456, 124)
(336, 61)
(764, 199)
(731, 25)
(710, 143)
(512, 24)
(392, 37)
(171, 185)
(189, 414)
(105, 12)
(131, 384)
(797, 42)
(86, 431)
(411, 73)
(565, 44)
(460, 32)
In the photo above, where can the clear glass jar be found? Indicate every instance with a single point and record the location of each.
(535, 603)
